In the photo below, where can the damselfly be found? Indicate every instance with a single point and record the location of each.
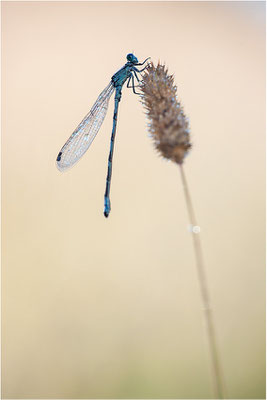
(86, 131)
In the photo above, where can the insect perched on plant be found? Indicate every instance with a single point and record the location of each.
(84, 134)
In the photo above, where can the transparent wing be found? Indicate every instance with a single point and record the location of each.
(84, 134)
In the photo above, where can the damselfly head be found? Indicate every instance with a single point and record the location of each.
(131, 57)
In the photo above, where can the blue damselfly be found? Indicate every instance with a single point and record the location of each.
(84, 134)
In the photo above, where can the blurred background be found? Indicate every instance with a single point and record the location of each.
(110, 308)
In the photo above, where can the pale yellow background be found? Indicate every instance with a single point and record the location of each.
(96, 308)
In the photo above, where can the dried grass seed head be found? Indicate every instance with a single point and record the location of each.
(168, 125)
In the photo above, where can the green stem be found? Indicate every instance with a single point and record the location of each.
(202, 278)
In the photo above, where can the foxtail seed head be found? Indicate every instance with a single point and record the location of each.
(168, 125)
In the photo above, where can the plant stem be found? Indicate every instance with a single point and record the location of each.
(202, 278)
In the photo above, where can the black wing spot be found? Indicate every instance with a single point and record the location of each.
(59, 156)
